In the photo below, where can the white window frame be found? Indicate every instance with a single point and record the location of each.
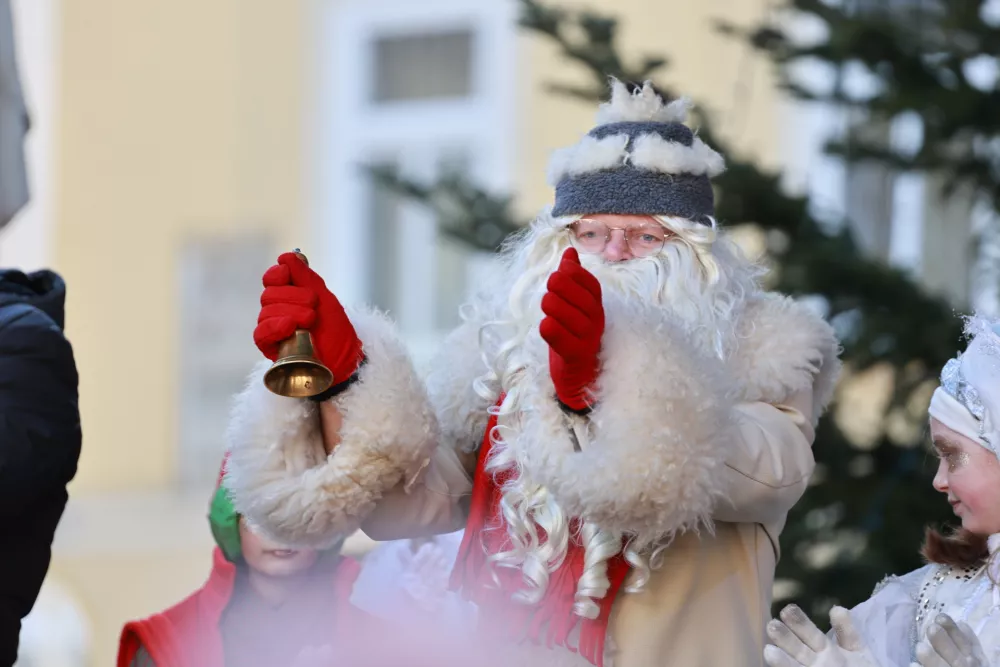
(355, 130)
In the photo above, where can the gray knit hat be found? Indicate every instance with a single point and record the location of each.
(640, 160)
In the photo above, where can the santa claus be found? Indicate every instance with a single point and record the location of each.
(621, 423)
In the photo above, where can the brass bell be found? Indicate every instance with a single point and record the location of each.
(297, 373)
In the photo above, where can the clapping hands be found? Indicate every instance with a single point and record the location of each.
(950, 644)
(797, 642)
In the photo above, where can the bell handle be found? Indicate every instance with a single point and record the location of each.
(298, 332)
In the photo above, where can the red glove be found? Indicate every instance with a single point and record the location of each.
(295, 297)
(573, 327)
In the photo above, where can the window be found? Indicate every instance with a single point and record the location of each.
(219, 293)
(869, 195)
(904, 218)
(438, 87)
(423, 66)
(417, 272)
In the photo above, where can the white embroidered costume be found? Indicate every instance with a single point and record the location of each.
(902, 608)
(901, 611)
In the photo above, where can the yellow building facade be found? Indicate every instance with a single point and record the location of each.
(180, 146)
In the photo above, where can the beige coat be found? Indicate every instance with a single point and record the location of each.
(684, 441)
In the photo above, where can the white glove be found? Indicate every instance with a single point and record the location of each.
(950, 644)
(797, 642)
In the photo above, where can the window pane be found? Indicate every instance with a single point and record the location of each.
(384, 248)
(218, 301)
(412, 257)
(451, 255)
(451, 280)
(423, 67)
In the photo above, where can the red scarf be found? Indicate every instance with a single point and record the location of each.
(552, 619)
(187, 634)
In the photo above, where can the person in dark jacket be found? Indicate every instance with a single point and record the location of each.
(40, 439)
(39, 417)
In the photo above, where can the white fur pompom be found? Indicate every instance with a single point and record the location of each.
(642, 105)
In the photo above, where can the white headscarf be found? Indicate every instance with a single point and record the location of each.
(968, 400)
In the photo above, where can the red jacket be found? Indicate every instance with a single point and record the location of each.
(187, 634)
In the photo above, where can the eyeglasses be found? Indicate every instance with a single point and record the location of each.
(591, 236)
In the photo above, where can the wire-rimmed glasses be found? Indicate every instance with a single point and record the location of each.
(592, 237)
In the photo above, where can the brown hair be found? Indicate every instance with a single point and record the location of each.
(959, 548)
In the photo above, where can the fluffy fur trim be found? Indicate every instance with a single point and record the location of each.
(649, 151)
(784, 347)
(590, 154)
(642, 105)
(462, 412)
(655, 153)
(279, 475)
(653, 464)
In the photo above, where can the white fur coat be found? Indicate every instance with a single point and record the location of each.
(658, 436)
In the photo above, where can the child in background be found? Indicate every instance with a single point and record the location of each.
(263, 604)
(947, 613)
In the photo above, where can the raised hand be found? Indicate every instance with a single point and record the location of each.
(797, 642)
(950, 644)
(295, 297)
(573, 327)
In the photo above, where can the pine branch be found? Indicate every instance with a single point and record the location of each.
(588, 94)
(464, 212)
(917, 54)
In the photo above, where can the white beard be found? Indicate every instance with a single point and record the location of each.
(705, 288)
(650, 279)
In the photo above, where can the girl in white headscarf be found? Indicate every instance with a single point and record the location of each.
(946, 614)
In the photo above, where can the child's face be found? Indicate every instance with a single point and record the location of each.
(273, 559)
(969, 475)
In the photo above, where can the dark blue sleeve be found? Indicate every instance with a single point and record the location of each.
(39, 414)
(40, 441)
